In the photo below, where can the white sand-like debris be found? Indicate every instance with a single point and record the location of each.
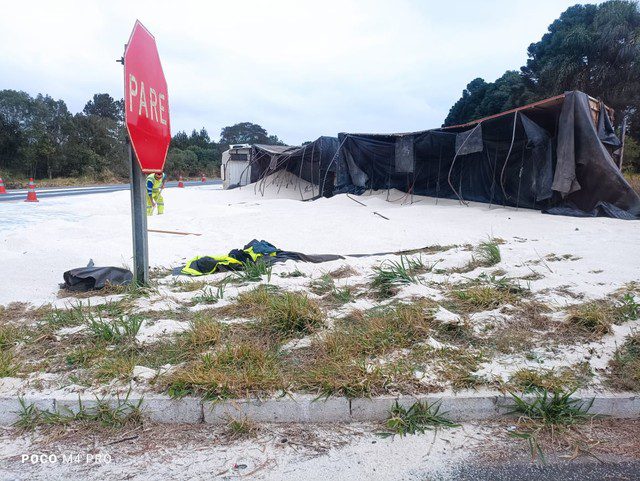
(38, 242)
(151, 331)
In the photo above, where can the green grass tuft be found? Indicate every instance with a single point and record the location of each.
(389, 275)
(120, 330)
(419, 418)
(112, 414)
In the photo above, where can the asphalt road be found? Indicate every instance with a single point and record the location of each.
(567, 471)
(21, 194)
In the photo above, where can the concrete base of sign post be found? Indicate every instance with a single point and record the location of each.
(460, 407)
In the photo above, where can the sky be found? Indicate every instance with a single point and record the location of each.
(300, 69)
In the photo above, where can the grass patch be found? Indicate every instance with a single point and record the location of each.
(380, 331)
(624, 368)
(115, 366)
(283, 314)
(291, 314)
(552, 380)
(325, 286)
(419, 418)
(254, 271)
(343, 272)
(203, 332)
(389, 275)
(343, 360)
(189, 286)
(479, 298)
(487, 254)
(484, 293)
(457, 366)
(322, 285)
(235, 370)
(241, 428)
(294, 273)
(595, 318)
(10, 335)
(123, 329)
(546, 411)
(209, 296)
(8, 366)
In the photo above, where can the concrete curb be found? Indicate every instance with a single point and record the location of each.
(459, 407)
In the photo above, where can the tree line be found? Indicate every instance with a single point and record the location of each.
(41, 138)
(592, 48)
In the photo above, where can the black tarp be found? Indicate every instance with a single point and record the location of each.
(552, 159)
(319, 162)
(93, 278)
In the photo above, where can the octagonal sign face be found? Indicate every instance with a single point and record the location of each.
(146, 100)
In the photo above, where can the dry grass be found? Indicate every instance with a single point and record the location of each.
(282, 314)
(428, 250)
(115, 366)
(528, 325)
(554, 380)
(457, 366)
(634, 181)
(343, 360)
(241, 428)
(203, 332)
(595, 318)
(189, 286)
(8, 366)
(624, 368)
(234, 370)
(378, 332)
(343, 272)
(22, 312)
(480, 298)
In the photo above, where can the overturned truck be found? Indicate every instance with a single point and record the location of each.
(555, 155)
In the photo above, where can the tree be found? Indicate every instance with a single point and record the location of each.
(181, 162)
(481, 99)
(103, 105)
(593, 48)
(200, 139)
(274, 140)
(180, 140)
(243, 133)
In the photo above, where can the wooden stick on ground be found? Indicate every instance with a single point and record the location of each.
(172, 232)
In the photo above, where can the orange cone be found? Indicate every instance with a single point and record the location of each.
(180, 183)
(204, 179)
(31, 195)
(2, 189)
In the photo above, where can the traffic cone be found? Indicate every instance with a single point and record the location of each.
(204, 179)
(31, 195)
(180, 183)
(2, 189)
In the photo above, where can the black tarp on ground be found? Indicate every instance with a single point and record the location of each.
(319, 162)
(91, 278)
(546, 158)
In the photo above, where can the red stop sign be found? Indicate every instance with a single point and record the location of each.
(146, 100)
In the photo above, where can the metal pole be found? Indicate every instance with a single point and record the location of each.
(624, 134)
(138, 220)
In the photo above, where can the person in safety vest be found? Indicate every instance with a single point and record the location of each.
(155, 184)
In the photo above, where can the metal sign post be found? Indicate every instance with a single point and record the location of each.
(146, 116)
(138, 219)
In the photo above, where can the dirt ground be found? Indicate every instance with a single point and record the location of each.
(313, 452)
